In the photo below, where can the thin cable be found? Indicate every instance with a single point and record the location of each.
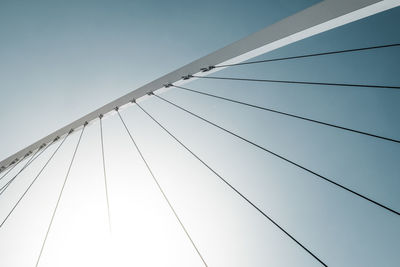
(105, 175)
(59, 197)
(233, 188)
(2, 189)
(299, 82)
(308, 55)
(281, 157)
(288, 114)
(37, 176)
(162, 191)
(15, 165)
(33, 157)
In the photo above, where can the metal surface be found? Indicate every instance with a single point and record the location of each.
(316, 19)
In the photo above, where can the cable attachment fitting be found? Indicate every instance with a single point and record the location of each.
(187, 77)
(55, 139)
(27, 154)
(70, 131)
(150, 93)
(85, 124)
(168, 85)
(116, 108)
(42, 146)
(133, 100)
(207, 69)
(101, 116)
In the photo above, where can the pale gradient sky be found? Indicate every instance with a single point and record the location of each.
(60, 60)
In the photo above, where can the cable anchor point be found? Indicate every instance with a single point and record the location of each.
(207, 68)
(187, 77)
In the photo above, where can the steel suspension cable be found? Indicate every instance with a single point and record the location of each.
(59, 196)
(34, 180)
(287, 114)
(162, 191)
(104, 172)
(233, 188)
(33, 157)
(281, 157)
(4, 187)
(298, 82)
(9, 170)
(308, 55)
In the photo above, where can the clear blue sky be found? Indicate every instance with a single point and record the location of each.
(60, 60)
(58, 54)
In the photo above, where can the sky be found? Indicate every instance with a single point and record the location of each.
(61, 60)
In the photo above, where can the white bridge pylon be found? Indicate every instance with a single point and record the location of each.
(316, 19)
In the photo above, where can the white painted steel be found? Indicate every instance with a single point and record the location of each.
(316, 19)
